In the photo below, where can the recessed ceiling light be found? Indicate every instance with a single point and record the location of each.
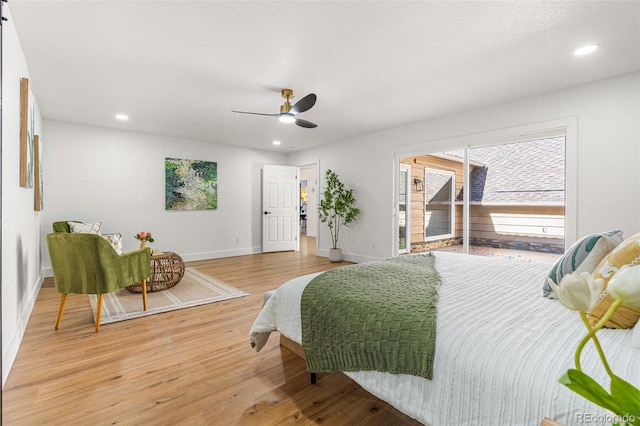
(276, 142)
(585, 50)
(122, 117)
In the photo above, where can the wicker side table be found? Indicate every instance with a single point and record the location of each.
(167, 269)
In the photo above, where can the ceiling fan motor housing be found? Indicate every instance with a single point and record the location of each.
(285, 107)
(286, 94)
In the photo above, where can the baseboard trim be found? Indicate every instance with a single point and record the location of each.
(9, 355)
(349, 257)
(190, 257)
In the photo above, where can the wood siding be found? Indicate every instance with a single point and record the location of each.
(418, 164)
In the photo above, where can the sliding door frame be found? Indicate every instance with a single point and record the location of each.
(404, 168)
(567, 127)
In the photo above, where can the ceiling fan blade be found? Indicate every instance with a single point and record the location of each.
(256, 113)
(304, 123)
(304, 104)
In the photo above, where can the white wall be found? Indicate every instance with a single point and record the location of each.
(118, 178)
(21, 240)
(608, 149)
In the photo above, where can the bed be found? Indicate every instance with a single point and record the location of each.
(500, 348)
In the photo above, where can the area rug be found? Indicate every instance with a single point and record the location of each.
(196, 288)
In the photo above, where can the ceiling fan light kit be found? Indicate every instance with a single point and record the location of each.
(288, 113)
(287, 118)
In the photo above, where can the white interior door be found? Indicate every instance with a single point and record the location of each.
(280, 211)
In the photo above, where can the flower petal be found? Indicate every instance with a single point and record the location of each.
(574, 292)
(625, 285)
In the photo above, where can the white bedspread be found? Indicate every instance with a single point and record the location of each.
(500, 349)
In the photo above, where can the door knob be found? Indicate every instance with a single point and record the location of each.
(267, 212)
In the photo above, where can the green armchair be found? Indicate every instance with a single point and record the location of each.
(88, 264)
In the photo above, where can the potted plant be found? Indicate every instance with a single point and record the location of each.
(337, 209)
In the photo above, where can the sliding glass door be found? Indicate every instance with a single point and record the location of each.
(505, 199)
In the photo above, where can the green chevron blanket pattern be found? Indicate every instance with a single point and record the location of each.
(373, 316)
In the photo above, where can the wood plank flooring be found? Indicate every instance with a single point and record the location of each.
(190, 367)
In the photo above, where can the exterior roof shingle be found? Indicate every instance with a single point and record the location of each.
(521, 173)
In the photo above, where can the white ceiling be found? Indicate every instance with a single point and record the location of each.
(179, 68)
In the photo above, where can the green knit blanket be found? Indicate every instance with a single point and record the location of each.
(373, 316)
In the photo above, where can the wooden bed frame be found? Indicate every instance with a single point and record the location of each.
(292, 346)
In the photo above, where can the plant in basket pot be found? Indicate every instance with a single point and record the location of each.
(145, 238)
(337, 209)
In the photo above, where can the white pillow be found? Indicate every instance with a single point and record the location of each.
(85, 228)
(116, 242)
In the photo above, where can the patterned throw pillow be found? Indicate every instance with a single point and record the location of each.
(583, 256)
(85, 228)
(116, 242)
(627, 253)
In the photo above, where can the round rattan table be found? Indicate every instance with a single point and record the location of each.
(167, 269)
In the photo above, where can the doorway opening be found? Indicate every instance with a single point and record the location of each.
(304, 200)
(309, 190)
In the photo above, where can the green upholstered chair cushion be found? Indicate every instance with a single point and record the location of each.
(87, 264)
(63, 226)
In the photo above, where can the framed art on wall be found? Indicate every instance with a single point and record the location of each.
(37, 173)
(27, 117)
(190, 184)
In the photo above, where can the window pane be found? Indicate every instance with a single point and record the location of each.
(438, 188)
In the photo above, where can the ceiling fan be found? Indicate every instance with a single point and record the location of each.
(288, 113)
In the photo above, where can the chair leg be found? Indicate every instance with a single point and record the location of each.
(98, 312)
(144, 294)
(63, 300)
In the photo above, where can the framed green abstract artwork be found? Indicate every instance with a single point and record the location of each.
(190, 184)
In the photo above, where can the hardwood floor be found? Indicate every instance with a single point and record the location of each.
(193, 366)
